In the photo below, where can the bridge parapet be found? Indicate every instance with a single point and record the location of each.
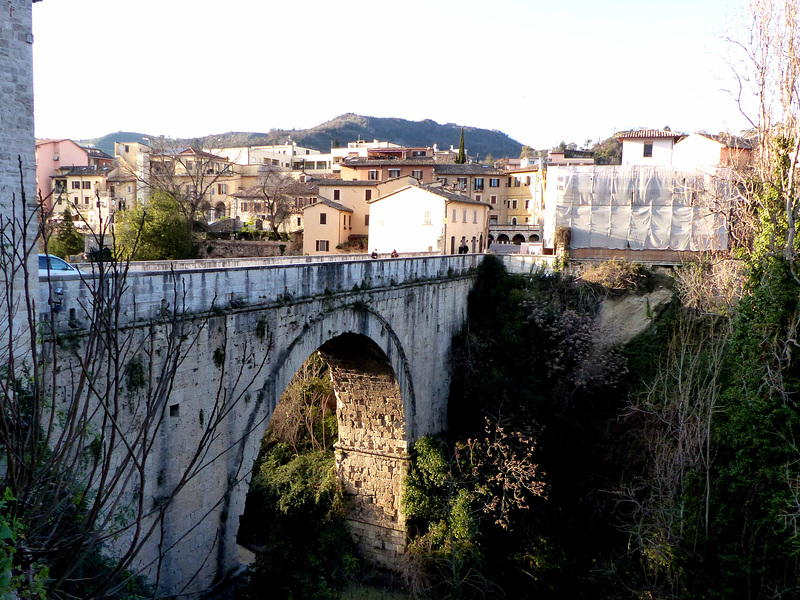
(149, 296)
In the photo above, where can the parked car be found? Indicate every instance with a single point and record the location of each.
(58, 267)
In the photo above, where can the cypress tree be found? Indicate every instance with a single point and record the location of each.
(462, 156)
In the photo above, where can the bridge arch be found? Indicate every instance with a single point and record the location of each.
(353, 319)
(375, 411)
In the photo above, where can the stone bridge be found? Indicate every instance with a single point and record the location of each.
(383, 326)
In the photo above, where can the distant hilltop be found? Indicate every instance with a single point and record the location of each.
(350, 128)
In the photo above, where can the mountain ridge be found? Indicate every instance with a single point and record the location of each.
(345, 128)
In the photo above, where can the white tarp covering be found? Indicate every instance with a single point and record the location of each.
(638, 207)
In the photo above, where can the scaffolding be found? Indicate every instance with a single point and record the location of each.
(638, 207)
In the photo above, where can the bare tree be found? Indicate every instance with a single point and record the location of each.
(197, 180)
(279, 190)
(766, 66)
(675, 415)
(82, 416)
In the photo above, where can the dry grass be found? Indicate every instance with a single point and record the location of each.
(614, 275)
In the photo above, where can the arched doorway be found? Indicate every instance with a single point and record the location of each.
(518, 239)
(219, 211)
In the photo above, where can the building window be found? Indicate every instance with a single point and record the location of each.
(527, 203)
(464, 216)
(513, 204)
(418, 153)
(367, 195)
(366, 220)
(87, 200)
(323, 218)
(417, 174)
(443, 180)
(426, 218)
(373, 175)
(394, 173)
(493, 199)
(322, 245)
(454, 215)
(648, 151)
(528, 180)
(516, 182)
(335, 194)
(76, 185)
(478, 197)
(298, 221)
(474, 216)
(494, 182)
(479, 184)
(257, 207)
(462, 183)
(244, 206)
(222, 188)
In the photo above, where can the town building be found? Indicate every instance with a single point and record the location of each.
(288, 156)
(357, 149)
(569, 157)
(51, 155)
(647, 146)
(480, 183)
(83, 191)
(201, 178)
(428, 219)
(525, 208)
(348, 203)
(382, 164)
(707, 153)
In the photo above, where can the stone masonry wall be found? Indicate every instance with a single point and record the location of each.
(16, 143)
(372, 452)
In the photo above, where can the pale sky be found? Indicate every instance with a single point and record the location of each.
(541, 71)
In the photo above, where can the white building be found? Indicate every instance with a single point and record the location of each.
(427, 219)
(647, 147)
(707, 153)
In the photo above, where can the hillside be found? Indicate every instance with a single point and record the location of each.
(348, 128)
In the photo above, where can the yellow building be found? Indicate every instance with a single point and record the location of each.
(327, 225)
(525, 208)
(480, 183)
(83, 190)
(198, 177)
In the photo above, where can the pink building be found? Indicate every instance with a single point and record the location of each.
(51, 155)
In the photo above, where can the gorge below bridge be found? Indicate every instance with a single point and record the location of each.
(242, 329)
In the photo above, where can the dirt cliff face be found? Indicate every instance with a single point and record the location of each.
(623, 318)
